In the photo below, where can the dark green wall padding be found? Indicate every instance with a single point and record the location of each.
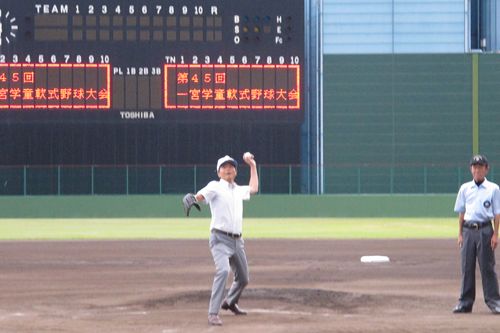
(489, 105)
(407, 111)
(260, 206)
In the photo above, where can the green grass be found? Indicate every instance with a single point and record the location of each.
(196, 228)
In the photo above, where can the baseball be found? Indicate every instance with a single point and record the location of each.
(247, 156)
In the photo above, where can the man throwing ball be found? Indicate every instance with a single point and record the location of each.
(478, 203)
(225, 198)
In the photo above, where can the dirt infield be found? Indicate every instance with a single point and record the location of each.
(295, 286)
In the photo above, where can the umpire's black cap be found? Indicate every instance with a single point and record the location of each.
(479, 159)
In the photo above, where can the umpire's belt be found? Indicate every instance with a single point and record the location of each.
(226, 233)
(476, 225)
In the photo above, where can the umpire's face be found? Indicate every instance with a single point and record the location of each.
(479, 171)
(228, 172)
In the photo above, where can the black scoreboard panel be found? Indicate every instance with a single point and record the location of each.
(173, 60)
(87, 82)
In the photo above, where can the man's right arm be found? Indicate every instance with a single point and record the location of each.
(460, 208)
(206, 194)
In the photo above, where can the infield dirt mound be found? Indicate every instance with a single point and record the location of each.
(296, 299)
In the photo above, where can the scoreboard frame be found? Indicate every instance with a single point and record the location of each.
(261, 45)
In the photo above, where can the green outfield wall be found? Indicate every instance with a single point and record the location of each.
(391, 120)
(260, 206)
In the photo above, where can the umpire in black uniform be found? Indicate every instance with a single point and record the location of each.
(478, 202)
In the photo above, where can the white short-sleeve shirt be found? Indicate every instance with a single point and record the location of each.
(480, 203)
(226, 204)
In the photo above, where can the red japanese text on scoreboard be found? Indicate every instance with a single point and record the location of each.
(232, 86)
(69, 86)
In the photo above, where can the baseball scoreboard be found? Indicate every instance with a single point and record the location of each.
(152, 61)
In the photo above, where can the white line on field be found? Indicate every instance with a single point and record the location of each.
(110, 314)
(281, 312)
(17, 314)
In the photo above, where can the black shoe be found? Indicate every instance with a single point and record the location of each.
(495, 310)
(233, 308)
(462, 309)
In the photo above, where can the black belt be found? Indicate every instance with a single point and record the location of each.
(226, 233)
(476, 225)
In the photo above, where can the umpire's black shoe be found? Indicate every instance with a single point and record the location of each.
(234, 308)
(461, 309)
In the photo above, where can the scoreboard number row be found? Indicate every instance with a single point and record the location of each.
(257, 60)
(104, 59)
(130, 9)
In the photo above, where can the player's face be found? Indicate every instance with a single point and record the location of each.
(479, 172)
(228, 172)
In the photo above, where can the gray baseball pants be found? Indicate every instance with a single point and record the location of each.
(228, 253)
(477, 243)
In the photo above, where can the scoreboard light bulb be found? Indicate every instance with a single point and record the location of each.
(256, 29)
(245, 29)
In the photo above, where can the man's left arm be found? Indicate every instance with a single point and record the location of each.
(496, 218)
(254, 177)
(494, 238)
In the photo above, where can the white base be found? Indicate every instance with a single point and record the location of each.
(374, 259)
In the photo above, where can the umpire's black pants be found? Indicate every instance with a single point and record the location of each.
(477, 243)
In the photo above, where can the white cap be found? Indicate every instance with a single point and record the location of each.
(225, 159)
